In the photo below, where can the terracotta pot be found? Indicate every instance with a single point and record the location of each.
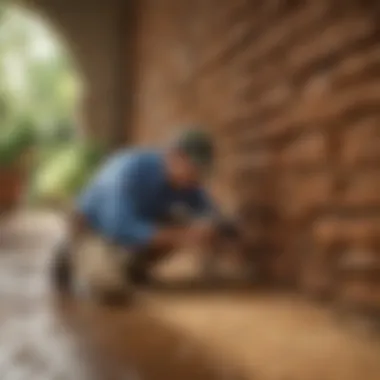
(12, 181)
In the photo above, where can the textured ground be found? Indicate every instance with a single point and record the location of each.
(173, 334)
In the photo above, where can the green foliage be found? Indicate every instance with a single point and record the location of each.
(38, 85)
(39, 93)
(14, 142)
(68, 169)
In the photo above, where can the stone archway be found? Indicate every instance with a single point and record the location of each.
(94, 33)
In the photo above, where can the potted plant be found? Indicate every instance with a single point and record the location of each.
(63, 172)
(15, 146)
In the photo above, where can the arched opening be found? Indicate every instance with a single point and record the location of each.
(41, 77)
(44, 152)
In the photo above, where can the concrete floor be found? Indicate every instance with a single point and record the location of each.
(168, 334)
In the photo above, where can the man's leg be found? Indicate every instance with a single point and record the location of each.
(98, 270)
(140, 264)
(219, 245)
(211, 252)
(61, 268)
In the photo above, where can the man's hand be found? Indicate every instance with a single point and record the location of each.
(198, 232)
(201, 232)
(229, 229)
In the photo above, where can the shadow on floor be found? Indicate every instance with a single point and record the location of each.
(134, 344)
(197, 287)
(43, 336)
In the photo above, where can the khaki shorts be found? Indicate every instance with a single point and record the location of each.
(99, 267)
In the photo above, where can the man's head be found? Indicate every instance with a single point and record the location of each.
(190, 157)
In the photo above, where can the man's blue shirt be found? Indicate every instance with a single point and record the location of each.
(131, 194)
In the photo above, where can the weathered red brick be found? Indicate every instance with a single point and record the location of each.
(300, 194)
(309, 149)
(362, 189)
(363, 295)
(337, 35)
(327, 232)
(361, 141)
(361, 65)
(346, 232)
(361, 233)
(358, 272)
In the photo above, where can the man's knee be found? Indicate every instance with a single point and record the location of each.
(99, 271)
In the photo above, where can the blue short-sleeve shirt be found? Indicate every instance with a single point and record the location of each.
(131, 194)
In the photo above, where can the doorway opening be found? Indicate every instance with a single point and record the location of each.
(44, 159)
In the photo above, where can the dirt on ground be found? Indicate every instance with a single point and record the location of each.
(175, 332)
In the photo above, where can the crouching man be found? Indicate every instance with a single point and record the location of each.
(142, 205)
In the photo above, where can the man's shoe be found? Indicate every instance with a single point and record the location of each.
(114, 298)
(61, 270)
(139, 277)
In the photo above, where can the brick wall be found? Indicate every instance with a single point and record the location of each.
(291, 91)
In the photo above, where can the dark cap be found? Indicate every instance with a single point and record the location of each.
(197, 144)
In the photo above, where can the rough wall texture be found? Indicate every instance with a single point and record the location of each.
(291, 91)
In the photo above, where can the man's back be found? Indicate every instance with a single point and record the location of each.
(122, 170)
(119, 165)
